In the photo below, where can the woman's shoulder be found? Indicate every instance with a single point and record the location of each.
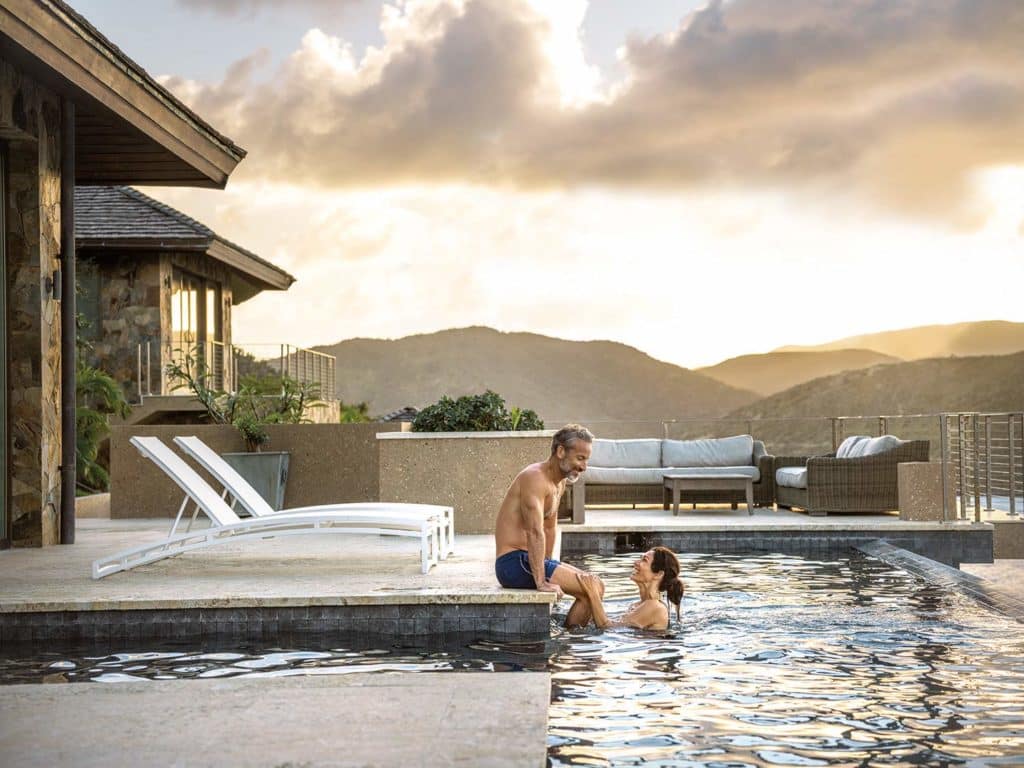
(650, 614)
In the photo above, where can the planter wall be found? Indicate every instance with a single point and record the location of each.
(329, 463)
(469, 471)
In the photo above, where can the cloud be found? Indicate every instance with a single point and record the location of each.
(899, 103)
(251, 7)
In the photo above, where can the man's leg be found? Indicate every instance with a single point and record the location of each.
(580, 613)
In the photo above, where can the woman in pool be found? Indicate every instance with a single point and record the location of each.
(655, 572)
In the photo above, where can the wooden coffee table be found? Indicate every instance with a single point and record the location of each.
(697, 482)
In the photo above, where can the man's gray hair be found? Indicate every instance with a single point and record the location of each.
(569, 434)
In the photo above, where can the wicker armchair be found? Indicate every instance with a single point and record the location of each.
(864, 484)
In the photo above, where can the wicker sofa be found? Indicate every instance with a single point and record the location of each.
(632, 471)
(859, 477)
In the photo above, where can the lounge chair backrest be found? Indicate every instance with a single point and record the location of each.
(187, 479)
(237, 485)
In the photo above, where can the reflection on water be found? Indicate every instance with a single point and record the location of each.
(787, 661)
(778, 660)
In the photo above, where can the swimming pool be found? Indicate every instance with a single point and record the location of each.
(778, 660)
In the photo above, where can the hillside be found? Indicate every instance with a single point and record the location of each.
(992, 337)
(992, 383)
(559, 379)
(773, 372)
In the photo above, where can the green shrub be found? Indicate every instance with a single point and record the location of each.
(97, 396)
(474, 413)
(259, 400)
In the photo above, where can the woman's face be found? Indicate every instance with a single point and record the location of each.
(642, 571)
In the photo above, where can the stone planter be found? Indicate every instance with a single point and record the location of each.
(468, 471)
(265, 471)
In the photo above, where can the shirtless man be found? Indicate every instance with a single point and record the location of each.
(524, 537)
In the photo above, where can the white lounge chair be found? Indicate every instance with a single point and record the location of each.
(241, 492)
(226, 526)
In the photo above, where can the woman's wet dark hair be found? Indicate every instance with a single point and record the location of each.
(666, 563)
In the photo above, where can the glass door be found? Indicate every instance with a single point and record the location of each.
(5, 469)
(196, 326)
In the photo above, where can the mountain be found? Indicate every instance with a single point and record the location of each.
(773, 372)
(795, 424)
(561, 380)
(991, 337)
(992, 383)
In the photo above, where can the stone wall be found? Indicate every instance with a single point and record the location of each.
(129, 315)
(330, 463)
(468, 471)
(30, 126)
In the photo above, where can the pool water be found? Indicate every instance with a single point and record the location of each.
(777, 660)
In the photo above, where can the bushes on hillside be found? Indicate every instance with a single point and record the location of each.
(475, 413)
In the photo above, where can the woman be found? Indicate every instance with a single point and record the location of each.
(655, 572)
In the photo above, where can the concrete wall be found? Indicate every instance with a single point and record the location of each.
(467, 471)
(1008, 539)
(30, 126)
(329, 463)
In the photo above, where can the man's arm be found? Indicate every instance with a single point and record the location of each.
(550, 532)
(531, 505)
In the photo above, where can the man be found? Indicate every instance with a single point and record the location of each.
(524, 536)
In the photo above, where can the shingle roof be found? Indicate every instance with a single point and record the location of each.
(112, 213)
(147, 80)
(106, 215)
(403, 414)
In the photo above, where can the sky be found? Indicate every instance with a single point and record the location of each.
(698, 180)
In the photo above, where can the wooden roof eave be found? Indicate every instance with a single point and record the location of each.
(110, 89)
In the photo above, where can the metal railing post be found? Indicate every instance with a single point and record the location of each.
(977, 469)
(149, 368)
(1011, 421)
(883, 425)
(835, 441)
(960, 460)
(139, 356)
(988, 463)
(944, 454)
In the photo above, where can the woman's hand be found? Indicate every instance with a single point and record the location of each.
(588, 583)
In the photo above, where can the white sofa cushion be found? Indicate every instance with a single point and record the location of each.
(713, 452)
(791, 477)
(856, 446)
(625, 453)
(849, 444)
(624, 475)
(880, 445)
(656, 475)
(752, 472)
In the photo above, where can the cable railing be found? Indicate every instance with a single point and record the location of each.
(306, 366)
(227, 364)
(983, 459)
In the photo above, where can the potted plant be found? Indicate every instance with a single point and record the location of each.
(257, 402)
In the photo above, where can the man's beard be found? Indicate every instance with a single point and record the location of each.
(571, 475)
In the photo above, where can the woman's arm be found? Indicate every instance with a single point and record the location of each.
(649, 614)
(588, 582)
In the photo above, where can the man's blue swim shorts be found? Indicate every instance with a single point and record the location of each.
(513, 570)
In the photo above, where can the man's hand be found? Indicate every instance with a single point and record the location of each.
(549, 586)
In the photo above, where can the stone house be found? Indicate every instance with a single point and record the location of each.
(154, 284)
(74, 109)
